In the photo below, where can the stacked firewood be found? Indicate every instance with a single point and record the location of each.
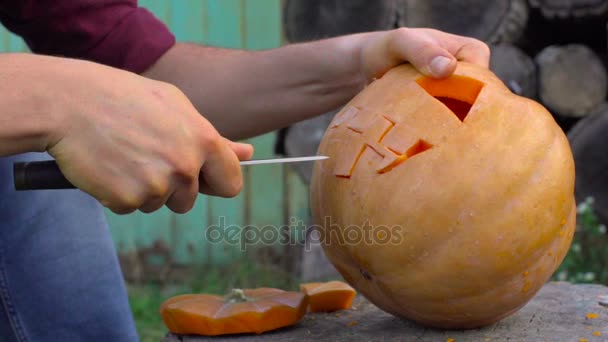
(552, 51)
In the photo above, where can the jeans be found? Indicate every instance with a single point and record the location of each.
(59, 274)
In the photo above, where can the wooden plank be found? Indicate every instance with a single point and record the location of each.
(187, 21)
(152, 236)
(161, 9)
(225, 29)
(266, 207)
(189, 244)
(297, 217)
(225, 23)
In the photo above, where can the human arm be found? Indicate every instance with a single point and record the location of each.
(247, 93)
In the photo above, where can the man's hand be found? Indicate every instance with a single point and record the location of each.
(246, 93)
(432, 52)
(135, 143)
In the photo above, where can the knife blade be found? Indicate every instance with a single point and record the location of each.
(46, 175)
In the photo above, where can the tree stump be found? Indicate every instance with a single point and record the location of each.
(489, 21)
(588, 140)
(515, 68)
(559, 312)
(570, 8)
(306, 20)
(572, 80)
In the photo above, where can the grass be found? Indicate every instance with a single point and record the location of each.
(145, 299)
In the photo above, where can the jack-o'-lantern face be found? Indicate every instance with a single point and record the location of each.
(427, 112)
(456, 188)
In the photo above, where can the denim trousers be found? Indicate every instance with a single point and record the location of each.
(60, 279)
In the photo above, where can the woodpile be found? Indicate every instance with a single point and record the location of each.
(552, 51)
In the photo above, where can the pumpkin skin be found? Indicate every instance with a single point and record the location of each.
(265, 309)
(449, 218)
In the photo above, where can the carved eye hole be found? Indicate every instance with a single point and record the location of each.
(458, 93)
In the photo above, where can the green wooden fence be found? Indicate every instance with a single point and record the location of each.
(151, 243)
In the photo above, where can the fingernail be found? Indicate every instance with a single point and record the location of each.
(439, 65)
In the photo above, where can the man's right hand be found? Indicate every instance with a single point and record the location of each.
(137, 144)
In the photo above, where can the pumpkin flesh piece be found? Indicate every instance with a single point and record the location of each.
(211, 315)
(328, 297)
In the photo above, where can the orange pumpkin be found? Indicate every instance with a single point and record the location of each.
(242, 311)
(448, 202)
(329, 296)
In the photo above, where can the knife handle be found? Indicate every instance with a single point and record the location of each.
(39, 175)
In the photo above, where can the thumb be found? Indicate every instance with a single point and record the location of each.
(424, 53)
(439, 66)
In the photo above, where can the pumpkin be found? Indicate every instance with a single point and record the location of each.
(449, 202)
(328, 296)
(242, 311)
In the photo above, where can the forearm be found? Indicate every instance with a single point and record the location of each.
(246, 93)
(28, 115)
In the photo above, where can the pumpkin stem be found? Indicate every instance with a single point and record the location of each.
(237, 296)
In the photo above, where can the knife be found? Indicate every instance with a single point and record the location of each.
(46, 175)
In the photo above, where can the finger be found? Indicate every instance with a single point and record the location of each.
(221, 172)
(184, 198)
(153, 204)
(242, 151)
(118, 209)
(468, 50)
(423, 51)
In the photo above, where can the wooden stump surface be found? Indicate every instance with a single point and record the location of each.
(572, 79)
(489, 21)
(557, 313)
(317, 19)
(589, 142)
(516, 69)
(570, 8)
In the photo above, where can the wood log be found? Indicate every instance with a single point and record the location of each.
(306, 20)
(572, 79)
(515, 68)
(588, 140)
(541, 32)
(570, 8)
(489, 21)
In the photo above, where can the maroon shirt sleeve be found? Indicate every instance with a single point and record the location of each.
(112, 32)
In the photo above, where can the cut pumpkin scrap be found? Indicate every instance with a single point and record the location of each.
(328, 296)
(242, 311)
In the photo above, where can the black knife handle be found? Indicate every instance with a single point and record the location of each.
(39, 175)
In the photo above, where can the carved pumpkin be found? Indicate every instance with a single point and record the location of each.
(448, 202)
(329, 296)
(242, 311)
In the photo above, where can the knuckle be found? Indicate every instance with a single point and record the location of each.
(156, 188)
(210, 140)
(402, 30)
(399, 34)
(186, 169)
